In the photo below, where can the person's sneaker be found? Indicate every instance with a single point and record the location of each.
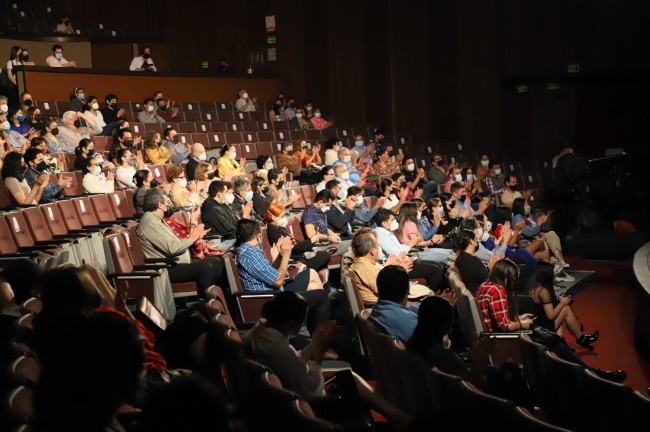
(564, 264)
(330, 354)
(553, 260)
(557, 269)
(564, 277)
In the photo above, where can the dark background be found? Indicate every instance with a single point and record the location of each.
(443, 71)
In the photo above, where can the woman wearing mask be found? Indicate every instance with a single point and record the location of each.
(326, 174)
(55, 164)
(94, 181)
(144, 181)
(128, 165)
(20, 193)
(155, 153)
(318, 122)
(202, 181)
(277, 228)
(299, 122)
(18, 125)
(228, 162)
(33, 119)
(472, 185)
(277, 112)
(182, 193)
(91, 109)
(431, 219)
(84, 150)
(56, 143)
(332, 147)
(408, 234)
(383, 165)
(26, 101)
(77, 100)
(450, 214)
(264, 165)
(393, 202)
(261, 202)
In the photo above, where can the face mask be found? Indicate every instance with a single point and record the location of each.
(290, 152)
(58, 56)
(100, 159)
(244, 96)
(440, 162)
(28, 102)
(358, 143)
(268, 166)
(24, 57)
(410, 167)
(345, 175)
(281, 184)
(182, 183)
(402, 184)
(22, 169)
(325, 209)
(462, 198)
(283, 222)
(497, 172)
(440, 209)
(419, 215)
(162, 107)
(128, 143)
(249, 196)
(233, 155)
(95, 106)
(458, 177)
(527, 208)
(485, 163)
(393, 225)
(20, 118)
(55, 131)
(470, 176)
(6, 125)
(77, 123)
(131, 161)
(486, 236)
(150, 108)
(309, 108)
(4, 108)
(175, 139)
(317, 115)
(347, 159)
(81, 96)
(203, 157)
(42, 166)
(359, 201)
(97, 170)
(153, 184)
(488, 226)
(229, 199)
(299, 115)
(169, 213)
(513, 187)
(479, 235)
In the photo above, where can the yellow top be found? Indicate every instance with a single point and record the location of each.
(226, 165)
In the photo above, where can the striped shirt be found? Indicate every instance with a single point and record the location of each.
(255, 271)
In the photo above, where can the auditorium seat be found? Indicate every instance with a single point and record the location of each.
(265, 135)
(75, 188)
(207, 106)
(186, 127)
(218, 126)
(225, 116)
(48, 108)
(121, 205)
(137, 128)
(102, 207)
(159, 173)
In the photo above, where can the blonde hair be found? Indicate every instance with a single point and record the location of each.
(201, 172)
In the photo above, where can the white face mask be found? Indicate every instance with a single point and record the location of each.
(317, 115)
(182, 183)
(486, 236)
(233, 155)
(244, 95)
(4, 108)
(268, 166)
(479, 234)
(488, 226)
(359, 201)
(485, 163)
(95, 106)
(97, 170)
(440, 209)
(527, 208)
(229, 198)
(325, 209)
(419, 215)
(282, 223)
(393, 225)
(345, 175)
(203, 157)
(470, 176)
(497, 172)
(299, 115)
(458, 177)
(150, 108)
(410, 167)
(347, 159)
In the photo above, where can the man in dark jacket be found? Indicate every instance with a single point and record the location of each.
(217, 213)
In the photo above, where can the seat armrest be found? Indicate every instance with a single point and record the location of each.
(134, 275)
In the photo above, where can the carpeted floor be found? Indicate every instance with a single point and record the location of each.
(608, 305)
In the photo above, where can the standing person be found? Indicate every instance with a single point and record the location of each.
(9, 77)
(143, 62)
(77, 100)
(65, 26)
(91, 109)
(57, 59)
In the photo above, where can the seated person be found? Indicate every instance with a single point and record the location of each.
(314, 222)
(366, 267)
(57, 59)
(494, 180)
(349, 162)
(454, 176)
(167, 112)
(228, 162)
(217, 214)
(65, 26)
(392, 201)
(276, 228)
(318, 122)
(143, 62)
(417, 179)
(261, 201)
(245, 103)
(409, 234)
(512, 191)
(343, 178)
(98, 179)
(158, 240)
(149, 113)
(299, 122)
(364, 152)
(180, 151)
(35, 169)
(325, 174)
(20, 193)
(197, 157)
(277, 191)
(127, 167)
(182, 193)
(72, 130)
(243, 202)
(438, 171)
(264, 165)
(362, 214)
(288, 160)
(341, 212)
(332, 147)
(277, 111)
(123, 139)
(431, 212)
(308, 156)
(471, 269)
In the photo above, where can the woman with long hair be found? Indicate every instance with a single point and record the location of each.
(155, 153)
(409, 234)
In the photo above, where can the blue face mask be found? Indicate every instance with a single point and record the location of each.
(358, 143)
(6, 125)
(20, 118)
(58, 56)
(249, 196)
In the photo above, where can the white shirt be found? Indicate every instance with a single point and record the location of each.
(124, 176)
(97, 184)
(98, 118)
(139, 61)
(391, 202)
(55, 62)
(330, 157)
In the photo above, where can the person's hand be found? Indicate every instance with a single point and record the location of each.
(449, 295)
(565, 300)
(380, 202)
(285, 171)
(520, 226)
(483, 205)
(139, 160)
(493, 261)
(506, 234)
(137, 140)
(121, 111)
(195, 216)
(191, 186)
(334, 238)
(418, 193)
(406, 264)
(437, 217)
(72, 63)
(351, 202)
(64, 182)
(242, 162)
(403, 193)
(541, 220)
(292, 199)
(285, 246)
(465, 214)
(393, 260)
(526, 320)
(277, 195)
(110, 174)
(42, 180)
(197, 232)
(437, 239)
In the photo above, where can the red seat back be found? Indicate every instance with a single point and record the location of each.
(7, 242)
(69, 214)
(120, 205)
(19, 229)
(37, 224)
(102, 208)
(85, 213)
(54, 219)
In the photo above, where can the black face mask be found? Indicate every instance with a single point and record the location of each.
(128, 143)
(265, 190)
(280, 184)
(169, 212)
(153, 184)
(175, 139)
(162, 108)
(402, 184)
(77, 123)
(440, 162)
(28, 102)
(55, 131)
(24, 57)
(513, 187)
(42, 166)
(22, 169)
(462, 198)
(146, 56)
(290, 152)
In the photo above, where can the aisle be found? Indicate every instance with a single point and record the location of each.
(608, 304)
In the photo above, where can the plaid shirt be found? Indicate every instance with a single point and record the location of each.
(493, 302)
(491, 188)
(51, 191)
(255, 271)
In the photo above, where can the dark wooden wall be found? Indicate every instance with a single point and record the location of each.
(440, 70)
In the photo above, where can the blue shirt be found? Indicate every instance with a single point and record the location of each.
(531, 229)
(395, 319)
(22, 129)
(354, 175)
(426, 228)
(255, 271)
(363, 215)
(51, 191)
(313, 216)
(389, 243)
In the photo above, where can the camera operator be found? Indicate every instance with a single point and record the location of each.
(143, 62)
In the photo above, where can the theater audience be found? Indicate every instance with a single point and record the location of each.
(325, 174)
(155, 152)
(128, 166)
(20, 192)
(314, 222)
(65, 26)
(277, 192)
(143, 62)
(15, 140)
(494, 180)
(144, 181)
(34, 160)
(244, 102)
(289, 160)
(98, 179)
(202, 180)
(261, 201)
(407, 233)
(242, 204)
(417, 179)
(318, 122)
(299, 122)
(72, 130)
(33, 119)
(182, 193)
(363, 215)
(218, 215)
(171, 141)
(148, 113)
